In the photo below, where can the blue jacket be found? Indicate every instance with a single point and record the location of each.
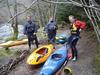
(30, 28)
(51, 26)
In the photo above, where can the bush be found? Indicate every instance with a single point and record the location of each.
(11, 38)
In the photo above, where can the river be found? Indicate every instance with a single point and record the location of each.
(6, 31)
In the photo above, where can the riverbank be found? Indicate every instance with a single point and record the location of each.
(84, 66)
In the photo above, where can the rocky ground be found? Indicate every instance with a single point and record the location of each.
(84, 65)
(86, 50)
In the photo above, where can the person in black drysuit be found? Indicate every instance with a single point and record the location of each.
(51, 29)
(73, 39)
(30, 30)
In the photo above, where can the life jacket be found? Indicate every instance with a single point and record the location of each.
(52, 26)
(30, 28)
(73, 29)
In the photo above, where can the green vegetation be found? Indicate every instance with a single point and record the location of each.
(66, 10)
(11, 38)
(8, 53)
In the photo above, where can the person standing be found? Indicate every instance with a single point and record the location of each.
(51, 29)
(75, 29)
(30, 30)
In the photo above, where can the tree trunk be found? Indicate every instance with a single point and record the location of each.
(14, 22)
(15, 25)
(15, 32)
(40, 14)
(55, 10)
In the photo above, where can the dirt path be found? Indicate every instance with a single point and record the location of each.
(83, 66)
(86, 50)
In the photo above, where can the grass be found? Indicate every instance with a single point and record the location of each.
(8, 53)
(11, 38)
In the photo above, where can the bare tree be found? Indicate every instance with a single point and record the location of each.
(39, 14)
(14, 18)
(15, 25)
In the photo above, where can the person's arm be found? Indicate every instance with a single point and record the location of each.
(56, 26)
(35, 31)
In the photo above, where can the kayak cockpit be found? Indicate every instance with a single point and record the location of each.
(42, 51)
(57, 56)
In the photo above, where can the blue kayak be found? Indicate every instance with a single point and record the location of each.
(55, 62)
(61, 38)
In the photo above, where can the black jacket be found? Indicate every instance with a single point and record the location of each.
(30, 28)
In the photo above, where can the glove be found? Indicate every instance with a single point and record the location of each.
(34, 33)
(80, 30)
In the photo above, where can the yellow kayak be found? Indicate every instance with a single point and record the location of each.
(40, 55)
(13, 43)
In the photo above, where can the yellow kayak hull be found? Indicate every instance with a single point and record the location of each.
(40, 55)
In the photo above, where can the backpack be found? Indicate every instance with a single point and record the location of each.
(80, 24)
(51, 26)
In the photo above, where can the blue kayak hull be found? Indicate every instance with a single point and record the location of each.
(62, 38)
(55, 62)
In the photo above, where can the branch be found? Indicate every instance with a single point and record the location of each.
(8, 6)
(23, 11)
(72, 2)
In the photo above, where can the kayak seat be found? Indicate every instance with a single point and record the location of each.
(46, 51)
(56, 56)
(43, 51)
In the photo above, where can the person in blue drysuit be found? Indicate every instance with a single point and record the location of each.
(51, 29)
(30, 30)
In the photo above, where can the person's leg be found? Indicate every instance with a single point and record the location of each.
(50, 37)
(36, 41)
(74, 50)
(29, 42)
(68, 44)
(53, 37)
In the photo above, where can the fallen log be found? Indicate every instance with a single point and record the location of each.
(5, 69)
